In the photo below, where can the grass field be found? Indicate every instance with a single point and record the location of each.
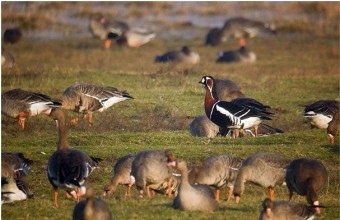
(291, 70)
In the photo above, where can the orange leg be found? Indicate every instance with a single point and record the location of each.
(235, 133)
(230, 192)
(331, 139)
(271, 192)
(148, 192)
(67, 195)
(256, 131)
(56, 198)
(90, 119)
(107, 43)
(128, 191)
(169, 188)
(75, 121)
(21, 119)
(217, 195)
(242, 42)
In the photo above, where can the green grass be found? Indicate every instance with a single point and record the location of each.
(289, 73)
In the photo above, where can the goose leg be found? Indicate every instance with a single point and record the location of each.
(230, 192)
(331, 139)
(107, 43)
(235, 133)
(74, 121)
(256, 131)
(169, 188)
(21, 119)
(56, 198)
(90, 119)
(271, 192)
(78, 195)
(217, 195)
(148, 192)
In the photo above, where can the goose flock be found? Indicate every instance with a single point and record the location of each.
(228, 112)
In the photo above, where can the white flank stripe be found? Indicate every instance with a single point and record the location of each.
(235, 120)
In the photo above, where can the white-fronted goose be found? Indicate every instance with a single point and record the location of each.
(136, 37)
(333, 127)
(321, 112)
(20, 104)
(151, 169)
(226, 90)
(241, 55)
(68, 168)
(217, 171)
(7, 59)
(215, 36)
(193, 197)
(15, 165)
(280, 210)
(306, 177)
(91, 209)
(87, 98)
(263, 169)
(14, 190)
(107, 30)
(185, 55)
(241, 113)
(202, 126)
(121, 175)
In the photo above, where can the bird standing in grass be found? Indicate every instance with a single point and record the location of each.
(243, 113)
(333, 127)
(20, 104)
(68, 168)
(88, 98)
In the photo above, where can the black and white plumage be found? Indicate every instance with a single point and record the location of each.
(20, 104)
(241, 55)
(87, 98)
(242, 113)
(280, 210)
(321, 112)
(14, 190)
(68, 168)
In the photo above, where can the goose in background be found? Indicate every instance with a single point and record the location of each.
(243, 113)
(306, 177)
(185, 55)
(107, 30)
(7, 59)
(333, 127)
(226, 90)
(151, 169)
(121, 175)
(93, 208)
(20, 104)
(88, 98)
(217, 171)
(136, 37)
(263, 169)
(14, 190)
(68, 168)
(215, 36)
(321, 112)
(241, 55)
(193, 197)
(12, 35)
(280, 210)
(202, 126)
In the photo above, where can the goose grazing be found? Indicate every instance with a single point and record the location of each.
(121, 171)
(321, 112)
(151, 169)
(193, 197)
(215, 36)
(263, 169)
(201, 126)
(107, 30)
(20, 104)
(226, 90)
(185, 55)
(15, 165)
(87, 98)
(241, 28)
(306, 177)
(91, 209)
(280, 210)
(241, 55)
(217, 171)
(14, 190)
(68, 168)
(243, 113)
(333, 127)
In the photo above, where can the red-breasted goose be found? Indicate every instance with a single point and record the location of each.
(93, 208)
(121, 175)
(20, 104)
(321, 112)
(306, 177)
(87, 98)
(241, 113)
(280, 210)
(263, 169)
(185, 55)
(151, 169)
(193, 197)
(68, 168)
(217, 171)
